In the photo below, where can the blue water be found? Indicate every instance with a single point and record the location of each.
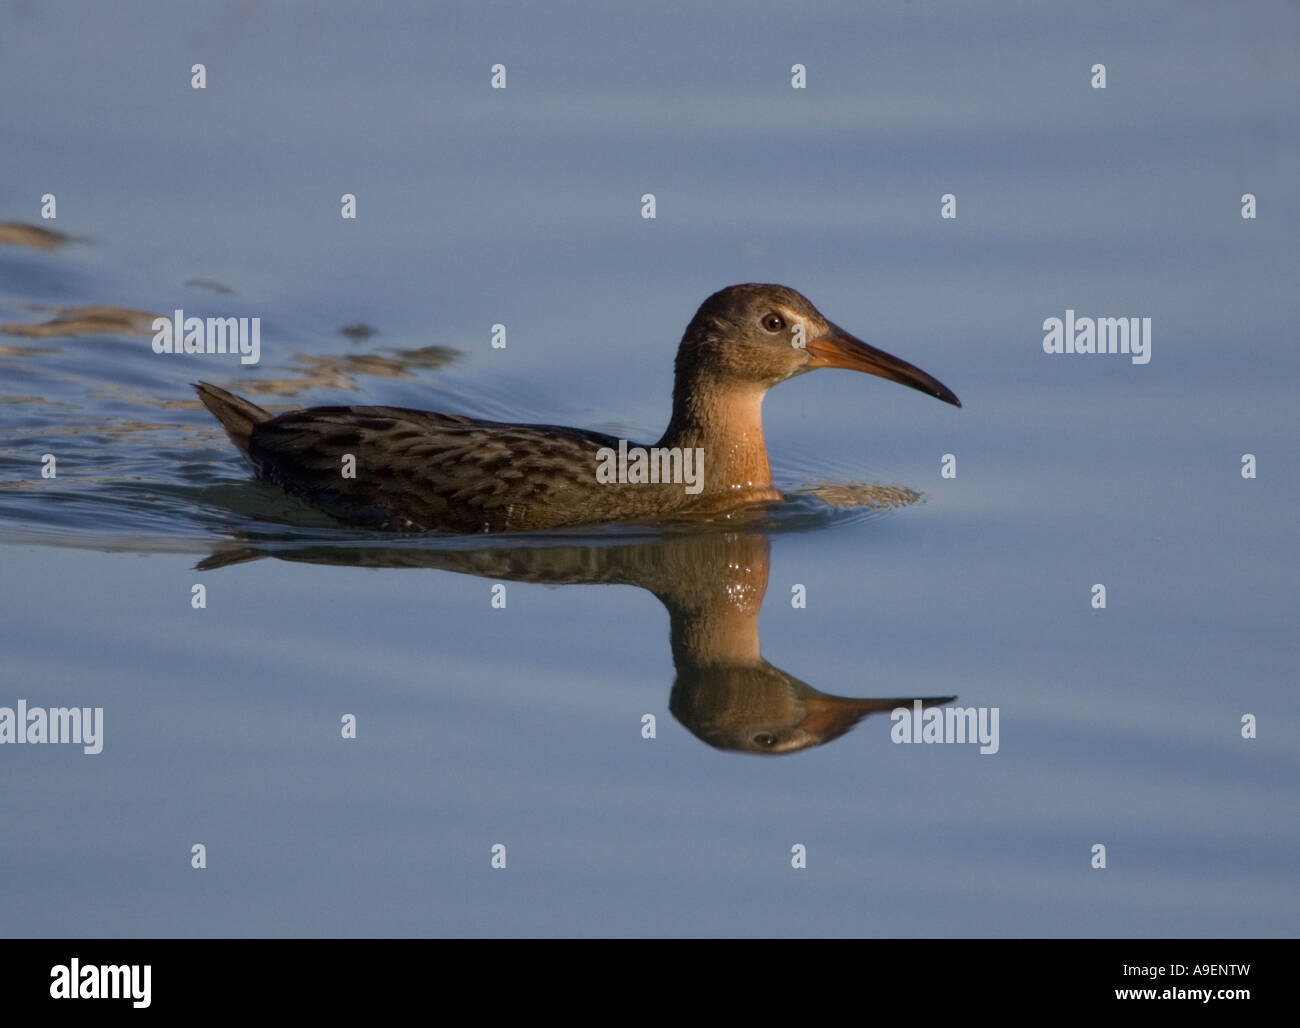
(522, 726)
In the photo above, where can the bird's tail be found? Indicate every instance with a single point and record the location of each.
(237, 416)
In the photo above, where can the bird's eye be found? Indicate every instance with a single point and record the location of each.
(773, 322)
(765, 739)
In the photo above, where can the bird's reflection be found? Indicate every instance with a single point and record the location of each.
(712, 585)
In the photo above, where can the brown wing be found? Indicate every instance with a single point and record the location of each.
(421, 471)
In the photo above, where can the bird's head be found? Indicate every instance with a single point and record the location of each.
(759, 335)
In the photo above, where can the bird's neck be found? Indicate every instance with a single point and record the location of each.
(725, 420)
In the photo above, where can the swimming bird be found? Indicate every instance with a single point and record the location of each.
(419, 471)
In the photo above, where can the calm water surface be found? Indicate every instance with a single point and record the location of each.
(522, 726)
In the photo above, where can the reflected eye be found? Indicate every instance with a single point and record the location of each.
(773, 322)
(765, 739)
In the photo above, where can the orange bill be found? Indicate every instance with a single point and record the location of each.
(838, 349)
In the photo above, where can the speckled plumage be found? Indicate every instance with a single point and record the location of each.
(421, 471)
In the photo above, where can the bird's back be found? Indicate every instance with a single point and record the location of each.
(423, 471)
